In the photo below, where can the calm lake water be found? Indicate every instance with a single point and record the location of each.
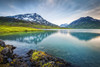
(81, 47)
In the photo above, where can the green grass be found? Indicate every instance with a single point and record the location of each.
(20, 23)
(20, 26)
(5, 29)
(21, 33)
(33, 25)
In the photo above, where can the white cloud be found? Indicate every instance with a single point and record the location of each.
(12, 6)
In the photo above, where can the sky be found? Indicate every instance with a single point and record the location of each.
(54, 11)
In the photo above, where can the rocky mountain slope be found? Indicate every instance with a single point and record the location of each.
(32, 17)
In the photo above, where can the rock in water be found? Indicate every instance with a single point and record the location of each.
(34, 58)
(42, 59)
(2, 43)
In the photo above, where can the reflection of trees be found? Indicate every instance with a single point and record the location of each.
(28, 37)
(84, 36)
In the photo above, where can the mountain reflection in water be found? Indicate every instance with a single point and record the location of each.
(82, 35)
(81, 47)
(28, 37)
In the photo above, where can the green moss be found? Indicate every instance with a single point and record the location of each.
(1, 58)
(37, 55)
(58, 62)
(49, 64)
(1, 48)
(5, 65)
(12, 62)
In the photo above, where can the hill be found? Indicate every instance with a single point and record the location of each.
(85, 23)
(64, 25)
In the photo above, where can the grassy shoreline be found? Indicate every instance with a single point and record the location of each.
(7, 29)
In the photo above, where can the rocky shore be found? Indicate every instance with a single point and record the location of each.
(34, 58)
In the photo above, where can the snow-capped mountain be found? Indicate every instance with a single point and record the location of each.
(64, 25)
(33, 17)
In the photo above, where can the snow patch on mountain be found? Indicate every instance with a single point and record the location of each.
(33, 17)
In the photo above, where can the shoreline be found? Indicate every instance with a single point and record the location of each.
(34, 58)
(8, 29)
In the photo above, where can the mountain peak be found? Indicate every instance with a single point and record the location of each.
(89, 17)
(85, 22)
(36, 14)
(33, 17)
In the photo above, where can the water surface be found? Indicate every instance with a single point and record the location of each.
(81, 47)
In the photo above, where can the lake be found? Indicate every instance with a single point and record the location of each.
(81, 47)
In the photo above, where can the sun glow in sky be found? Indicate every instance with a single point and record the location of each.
(55, 11)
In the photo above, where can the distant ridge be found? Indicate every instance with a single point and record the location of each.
(85, 23)
(64, 25)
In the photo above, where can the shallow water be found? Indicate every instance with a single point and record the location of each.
(81, 47)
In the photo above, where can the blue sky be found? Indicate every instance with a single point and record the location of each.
(55, 11)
